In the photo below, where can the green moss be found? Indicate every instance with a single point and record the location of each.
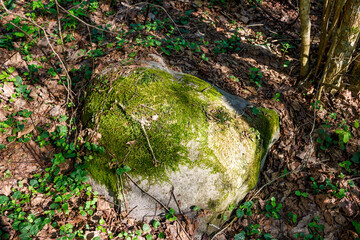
(185, 122)
(266, 124)
(200, 85)
(165, 107)
(100, 171)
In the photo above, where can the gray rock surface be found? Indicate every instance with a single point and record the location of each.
(216, 160)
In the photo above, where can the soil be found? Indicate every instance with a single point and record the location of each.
(268, 42)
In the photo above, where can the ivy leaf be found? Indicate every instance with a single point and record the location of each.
(34, 230)
(24, 227)
(239, 213)
(240, 236)
(19, 34)
(4, 199)
(357, 124)
(156, 224)
(171, 211)
(25, 236)
(11, 69)
(58, 199)
(356, 157)
(146, 227)
(357, 226)
(196, 208)
(63, 118)
(17, 195)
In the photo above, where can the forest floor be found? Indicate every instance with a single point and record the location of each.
(309, 186)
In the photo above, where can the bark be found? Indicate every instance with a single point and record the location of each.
(305, 36)
(355, 74)
(343, 47)
(326, 31)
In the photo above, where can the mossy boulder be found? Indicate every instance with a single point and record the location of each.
(176, 131)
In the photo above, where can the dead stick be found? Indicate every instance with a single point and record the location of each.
(50, 45)
(148, 141)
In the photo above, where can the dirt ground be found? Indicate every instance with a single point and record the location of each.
(308, 171)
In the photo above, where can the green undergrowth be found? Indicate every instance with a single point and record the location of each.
(62, 189)
(66, 191)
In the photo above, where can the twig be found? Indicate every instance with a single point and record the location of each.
(50, 45)
(122, 192)
(80, 20)
(42, 50)
(222, 230)
(109, 31)
(123, 108)
(146, 14)
(158, 6)
(159, 202)
(152, 152)
(177, 204)
(59, 27)
(284, 29)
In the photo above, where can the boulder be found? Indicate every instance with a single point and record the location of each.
(187, 142)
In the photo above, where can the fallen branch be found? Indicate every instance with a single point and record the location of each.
(148, 141)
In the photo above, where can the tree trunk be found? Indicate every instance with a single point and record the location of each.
(305, 36)
(343, 44)
(355, 74)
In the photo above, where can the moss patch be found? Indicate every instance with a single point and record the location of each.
(165, 108)
(186, 122)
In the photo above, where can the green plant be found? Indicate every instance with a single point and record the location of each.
(287, 64)
(122, 170)
(324, 139)
(286, 46)
(357, 226)
(13, 121)
(273, 209)
(203, 57)
(346, 165)
(156, 224)
(314, 185)
(244, 209)
(276, 97)
(344, 135)
(255, 76)
(171, 215)
(316, 228)
(356, 123)
(301, 194)
(195, 208)
(339, 193)
(5, 75)
(292, 217)
(235, 79)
